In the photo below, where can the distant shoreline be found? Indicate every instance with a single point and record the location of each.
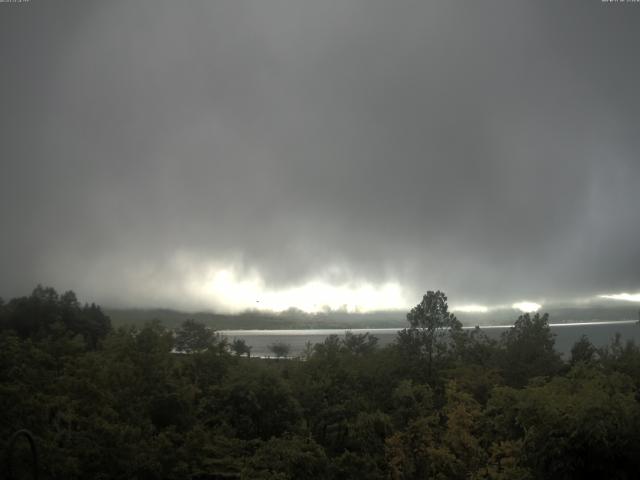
(334, 320)
(329, 331)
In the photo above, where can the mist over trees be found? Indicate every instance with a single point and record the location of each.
(441, 402)
(47, 314)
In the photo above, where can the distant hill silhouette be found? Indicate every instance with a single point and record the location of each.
(293, 318)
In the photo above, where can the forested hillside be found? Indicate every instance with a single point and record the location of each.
(441, 402)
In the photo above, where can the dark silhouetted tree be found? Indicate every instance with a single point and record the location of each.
(583, 351)
(280, 349)
(239, 347)
(45, 314)
(359, 343)
(193, 336)
(528, 350)
(432, 331)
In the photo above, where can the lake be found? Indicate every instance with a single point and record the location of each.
(599, 333)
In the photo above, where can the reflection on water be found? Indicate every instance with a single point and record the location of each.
(599, 333)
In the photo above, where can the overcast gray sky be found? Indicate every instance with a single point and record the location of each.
(489, 149)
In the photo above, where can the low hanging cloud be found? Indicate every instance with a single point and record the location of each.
(200, 155)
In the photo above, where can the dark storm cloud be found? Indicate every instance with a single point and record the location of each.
(488, 148)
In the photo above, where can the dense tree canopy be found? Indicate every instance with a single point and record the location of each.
(193, 337)
(46, 314)
(122, 403)
(528, 350)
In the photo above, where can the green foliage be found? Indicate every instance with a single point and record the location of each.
(46, 314)
(359, 343)
(528, 350)
(257, 403)
(429, 341)
(440, 444)
(194, 336)
(583, 425)
(440, 403)
(476, 348)
(583, 351)
(280, 349)
(289, 457)
(504, 463)
(240, 347)
(622, 357)
(411, 400)
(330, 348)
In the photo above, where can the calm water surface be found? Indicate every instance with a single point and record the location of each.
(599, 333)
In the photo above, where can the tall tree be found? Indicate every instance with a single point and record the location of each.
(432, 329)
(529, 350)
(193, 336)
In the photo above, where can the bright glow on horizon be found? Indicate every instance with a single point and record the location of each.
(226, 288)
(470, 308)
(527, 306)
(629, 297)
